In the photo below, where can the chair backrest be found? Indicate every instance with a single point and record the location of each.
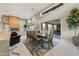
(13, 34)
(32, 35)
(51, 35)
(14, 39)
(28, 34)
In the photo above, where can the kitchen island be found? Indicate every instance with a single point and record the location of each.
(4, 43)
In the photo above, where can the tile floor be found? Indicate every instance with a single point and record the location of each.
(61, 48)
(42, 51)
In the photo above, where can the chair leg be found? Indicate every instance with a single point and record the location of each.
(50, 44)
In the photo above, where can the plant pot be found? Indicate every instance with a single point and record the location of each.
(75, 40)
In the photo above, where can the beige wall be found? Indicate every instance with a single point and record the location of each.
(37, 22)
(22, 23)
(62, 13)
(67, 34)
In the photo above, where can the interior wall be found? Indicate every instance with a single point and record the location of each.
(62, 14)
(66, 33)
(22, 22)
(37, 23)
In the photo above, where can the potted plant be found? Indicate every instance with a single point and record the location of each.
(73, 23)
(25, 26)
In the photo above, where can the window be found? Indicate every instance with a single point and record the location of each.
(43, 26)
(29, 21)
(55, 27)
(49, 27)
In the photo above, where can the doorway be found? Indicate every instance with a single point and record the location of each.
(53, 25)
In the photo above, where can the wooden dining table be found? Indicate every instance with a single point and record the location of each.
(42, 36)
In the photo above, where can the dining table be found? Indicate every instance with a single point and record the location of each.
(42, 36)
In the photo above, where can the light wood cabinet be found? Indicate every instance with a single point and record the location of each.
(5, 19)
(12, 22)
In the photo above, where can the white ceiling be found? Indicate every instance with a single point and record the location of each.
(22, 10)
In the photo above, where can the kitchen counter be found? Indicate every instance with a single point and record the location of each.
(4, 43)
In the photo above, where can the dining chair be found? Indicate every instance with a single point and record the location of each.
(36, 42)
(14, 40)
(49, 40)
